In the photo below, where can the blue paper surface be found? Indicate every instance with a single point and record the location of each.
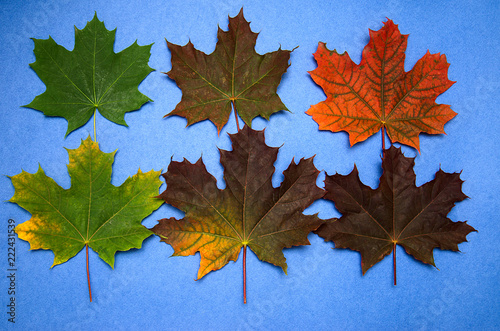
(324, 288)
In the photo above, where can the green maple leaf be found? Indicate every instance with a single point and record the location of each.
(92, 212)
(90, 77)
(233, 74)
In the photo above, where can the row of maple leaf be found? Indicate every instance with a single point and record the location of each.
(376, 95)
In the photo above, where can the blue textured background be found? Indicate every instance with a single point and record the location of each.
(324, 288)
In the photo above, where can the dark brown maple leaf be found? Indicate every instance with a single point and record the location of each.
(233, 74)
(398, 212)
(248, 212)
(378, 93)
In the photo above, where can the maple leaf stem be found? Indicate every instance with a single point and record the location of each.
(383, 140)
(394, 262)
(88, 273)
(236, 118)
(95, 131)
(245, 274)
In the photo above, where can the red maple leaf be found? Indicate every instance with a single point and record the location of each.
(378, 94)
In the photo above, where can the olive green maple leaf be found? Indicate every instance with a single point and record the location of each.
(234, 74)
(91, 77)
(92, 213)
